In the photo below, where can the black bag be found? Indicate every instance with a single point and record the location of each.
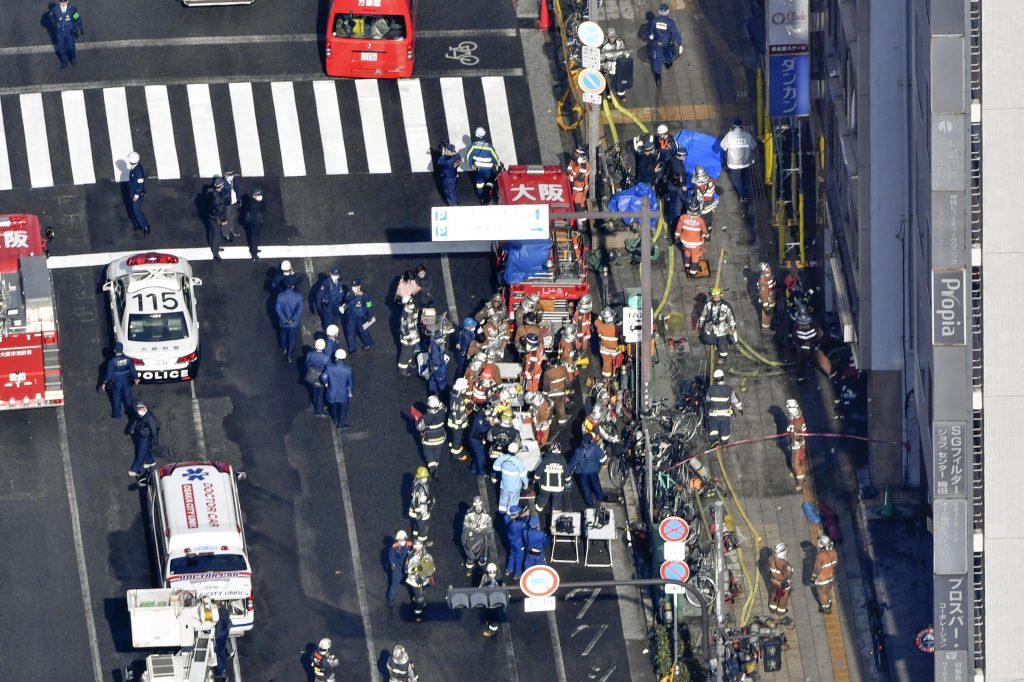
(772, 654)
(313, 375)
(623, 78)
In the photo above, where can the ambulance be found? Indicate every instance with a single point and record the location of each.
(198, 536)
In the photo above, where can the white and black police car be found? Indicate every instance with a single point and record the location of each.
(153, 310)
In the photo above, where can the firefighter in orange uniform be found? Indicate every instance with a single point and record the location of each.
(824, 574)
(582, 317)
(567, 344)
(797, 430)
(579, 177)
(781, 573)
(766, 291)
(541, 413)
(486, 379)
(705, 188)
(557, 384)
(691, 232)
(608, 335)
(532, 364)
(530, 325)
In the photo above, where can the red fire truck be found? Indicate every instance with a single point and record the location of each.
(30, 374)
(556, 269)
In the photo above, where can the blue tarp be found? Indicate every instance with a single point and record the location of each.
(701, 150)
(631, 200)
(525, 259)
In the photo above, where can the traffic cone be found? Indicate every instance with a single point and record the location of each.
(887, 508)
(544, 24)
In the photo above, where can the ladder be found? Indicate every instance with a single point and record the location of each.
(199, 663)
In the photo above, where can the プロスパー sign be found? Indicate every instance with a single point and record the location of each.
(949, 307)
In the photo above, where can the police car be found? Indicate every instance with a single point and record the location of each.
(153, 310)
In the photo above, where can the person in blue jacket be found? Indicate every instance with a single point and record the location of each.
(337, 380)
(536, 542)
(288, 307)
(358, 312)
(484, 164)
(437, 361)
(586, 464)
(448, 163)
(400, 550)
(515, 527)
(478, 430)
(664, 42)
(118, 380)
(329, 296)
(462, 343)
(316, 362)
(136, 190)
(67, 27)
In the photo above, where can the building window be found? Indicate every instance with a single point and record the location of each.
(851, 95)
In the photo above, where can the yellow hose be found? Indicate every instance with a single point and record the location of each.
(747, 350)
(611, 123)
(748, 606)
(628, 114)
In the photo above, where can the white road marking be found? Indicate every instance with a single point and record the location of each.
(328, 115)
(247, 135)
(83, 260)
(36, 144)
(6, 182)
(499, 118)
(288, 134)
(76, 125)
(76, 531)
(556, 646)
(374, 133)
(203, 129)
(119, 130)
(161, 128)
(416, 135)
(455, 114)
(197, 420)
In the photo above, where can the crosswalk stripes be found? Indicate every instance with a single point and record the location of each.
(329, 119)
(36, 143)
(204, 130)
(160, 123)
(119, 131)
(79, 145)
(198, 129)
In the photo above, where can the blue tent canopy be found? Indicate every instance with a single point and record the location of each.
(525, 259)
(632, 200)
(701, 150)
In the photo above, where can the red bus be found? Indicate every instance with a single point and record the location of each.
(371, 38)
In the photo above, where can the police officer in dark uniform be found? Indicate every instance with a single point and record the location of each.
(664, 42)
(646, 161)
(329, 296)
(462, 343)
(515, 526)
(252, 218)
(358, 313)
(288, 307)
(316, 362)
(397, 554)
(448, 172)
(67, 27)
(118, 380)
(216, 217)
(145, 435)
(479, 427)
(339, 387)
(232, 201)
(136, 190)
(536, 542)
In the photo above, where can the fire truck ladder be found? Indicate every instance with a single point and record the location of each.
(564, 250)
(199, 662)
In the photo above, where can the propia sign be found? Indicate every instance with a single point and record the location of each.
(949, 307)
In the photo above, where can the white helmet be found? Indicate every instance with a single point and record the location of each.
(460, 385)
(399, 655)
(401, 536)
(586, 303)
(599, 413)
(663, 129)
(133, 158)
(608, 314)
(570, 331)
(765, 267)
(534, 298)
(325, 644)
(286, 267)
(513, 448)
(478, 503)
(340, 354)
(532, 398)
(719, 374)
(409, 304)
(492, 568)
(433, 402)
(319, 344)
(480, 132)
(332, 330)
(792, 407)
(700, 175)
(780, 550)
(824, 542)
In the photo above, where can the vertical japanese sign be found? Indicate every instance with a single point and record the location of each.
(789, 57)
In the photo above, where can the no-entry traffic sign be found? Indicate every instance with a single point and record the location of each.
(675, 570)
(539, 581)
(674, 529)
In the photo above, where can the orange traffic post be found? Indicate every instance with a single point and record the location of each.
(544, 24)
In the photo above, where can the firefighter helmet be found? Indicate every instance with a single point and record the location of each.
(532, 341)
(663, 129)
(399, 655)
(460, 385)
(765, 267)
(700, 175)
(694, 204)
(586, 303)
(569, 331)
(824, 542)
(612, 34)
(492, 569)
(410, 305)
(528, 305)
(496, 301)
(599, 413)
(320, 344)
(716, 291)
(803, 317)
(133, 158)
(325, 644)
(332, 330)
(286, 267)
(401, 535)
(791, 281)
(422, 472)
(480, 133)
(433, 402)
(608, 315)
(492, 353)
(719, 375)
(513, 448)
(340, 354)
(478, 503)
(780, 550)
(792, 407)
(505, 415)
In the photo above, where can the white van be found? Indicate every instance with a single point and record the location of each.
(198, 535)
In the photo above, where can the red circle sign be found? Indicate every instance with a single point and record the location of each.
(675, 570)
(674, 529)
(539, 581)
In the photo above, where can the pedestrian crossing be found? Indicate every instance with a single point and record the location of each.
(261, 129)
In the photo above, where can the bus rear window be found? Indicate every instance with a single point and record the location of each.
(208, 563)
(369, 26)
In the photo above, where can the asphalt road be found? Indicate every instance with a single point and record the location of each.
(320, 507)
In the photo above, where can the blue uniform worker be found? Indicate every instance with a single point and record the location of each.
(288, 307)
(357, 313)
(136, 190)
(466, 336)
(329, 297)
(67, 26)
(316, 362)
(586, 463)
(286, 270)
(144, 433)
(485, 166)
(337, 380)
(513, 478)
(515, 526)
(663, 41)
(536, 542)
(437, 361)
(333, 343)
(675, 202)
(221, 631)
(400, 550)
(448, 169)
(118, 380)
(478, 430)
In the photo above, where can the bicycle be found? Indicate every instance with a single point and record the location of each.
(876, 610)
(702, 577)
